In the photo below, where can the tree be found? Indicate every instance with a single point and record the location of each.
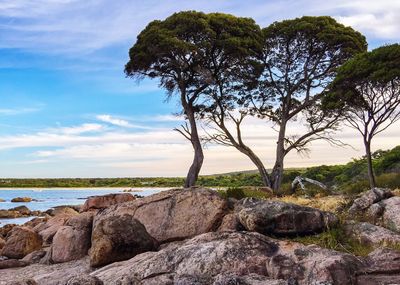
(300, 59)
(284, 79)
(182, 52)
(368, 88)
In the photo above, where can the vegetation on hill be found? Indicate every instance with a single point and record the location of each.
(349, 178)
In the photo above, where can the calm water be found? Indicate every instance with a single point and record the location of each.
(48, 198)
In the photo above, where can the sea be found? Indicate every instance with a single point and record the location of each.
(47, 198)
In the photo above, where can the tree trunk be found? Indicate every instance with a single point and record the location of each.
(371, 176)
(258, 163)
(198, 158)
(277, 171)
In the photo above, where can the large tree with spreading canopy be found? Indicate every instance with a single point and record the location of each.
(182, 51)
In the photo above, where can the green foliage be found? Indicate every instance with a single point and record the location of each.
(243, 192)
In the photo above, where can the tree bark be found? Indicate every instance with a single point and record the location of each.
(277, 171)
(258, 163)
(198, 158)
(371, 175)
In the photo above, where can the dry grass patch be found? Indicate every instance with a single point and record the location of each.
(327, 203)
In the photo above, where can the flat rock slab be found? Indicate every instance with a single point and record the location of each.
(382, 267)
(205, 257)
(55, 274)
(282, 219)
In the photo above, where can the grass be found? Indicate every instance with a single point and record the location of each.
(336, 239)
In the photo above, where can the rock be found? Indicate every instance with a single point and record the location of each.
(174, 214)
(7, 214)
(374, 212)
(55, 274)
(21, 199)
(2, 243)
(280, 218)
(105, 201)
(117, 238)
(391, 214)
(250, 279)
(35, 257)
(23, 282)
(84, 280)
(12, 263)
(62, 210)
(2, 200)
(48, 229)
(207, 256)
(382, 267)
(23, 210)
(36, 221)
(371, 235)
(72, 241)
(6, 229)
(230, 223)
(368, 198)
(20, 242)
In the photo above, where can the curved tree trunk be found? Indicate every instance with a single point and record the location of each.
(258, 163)
(198, 158)
(371, 175)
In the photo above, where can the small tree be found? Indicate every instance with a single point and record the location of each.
(368, 88)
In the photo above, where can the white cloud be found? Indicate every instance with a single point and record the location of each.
(114, 121)
(81, 129)
(57, 26)
(18, 111)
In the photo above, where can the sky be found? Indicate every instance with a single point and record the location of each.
(67, 109)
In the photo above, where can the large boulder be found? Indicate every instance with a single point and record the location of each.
(105, 201)
(391, 214)
(20, 242)
(117, 238)
(382, 267)
(205, 257)
(72, 241)
(48, 229)
(368, 198)
(371, 235)
(280, 218)
(174, 214)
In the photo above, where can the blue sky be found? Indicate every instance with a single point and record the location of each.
(67, 109)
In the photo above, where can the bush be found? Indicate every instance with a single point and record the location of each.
(243, 192)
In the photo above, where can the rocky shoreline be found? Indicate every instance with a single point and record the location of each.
(195, 236)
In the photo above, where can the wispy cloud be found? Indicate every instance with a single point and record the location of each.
(81, 129)
(113, 121)
(18, 111)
